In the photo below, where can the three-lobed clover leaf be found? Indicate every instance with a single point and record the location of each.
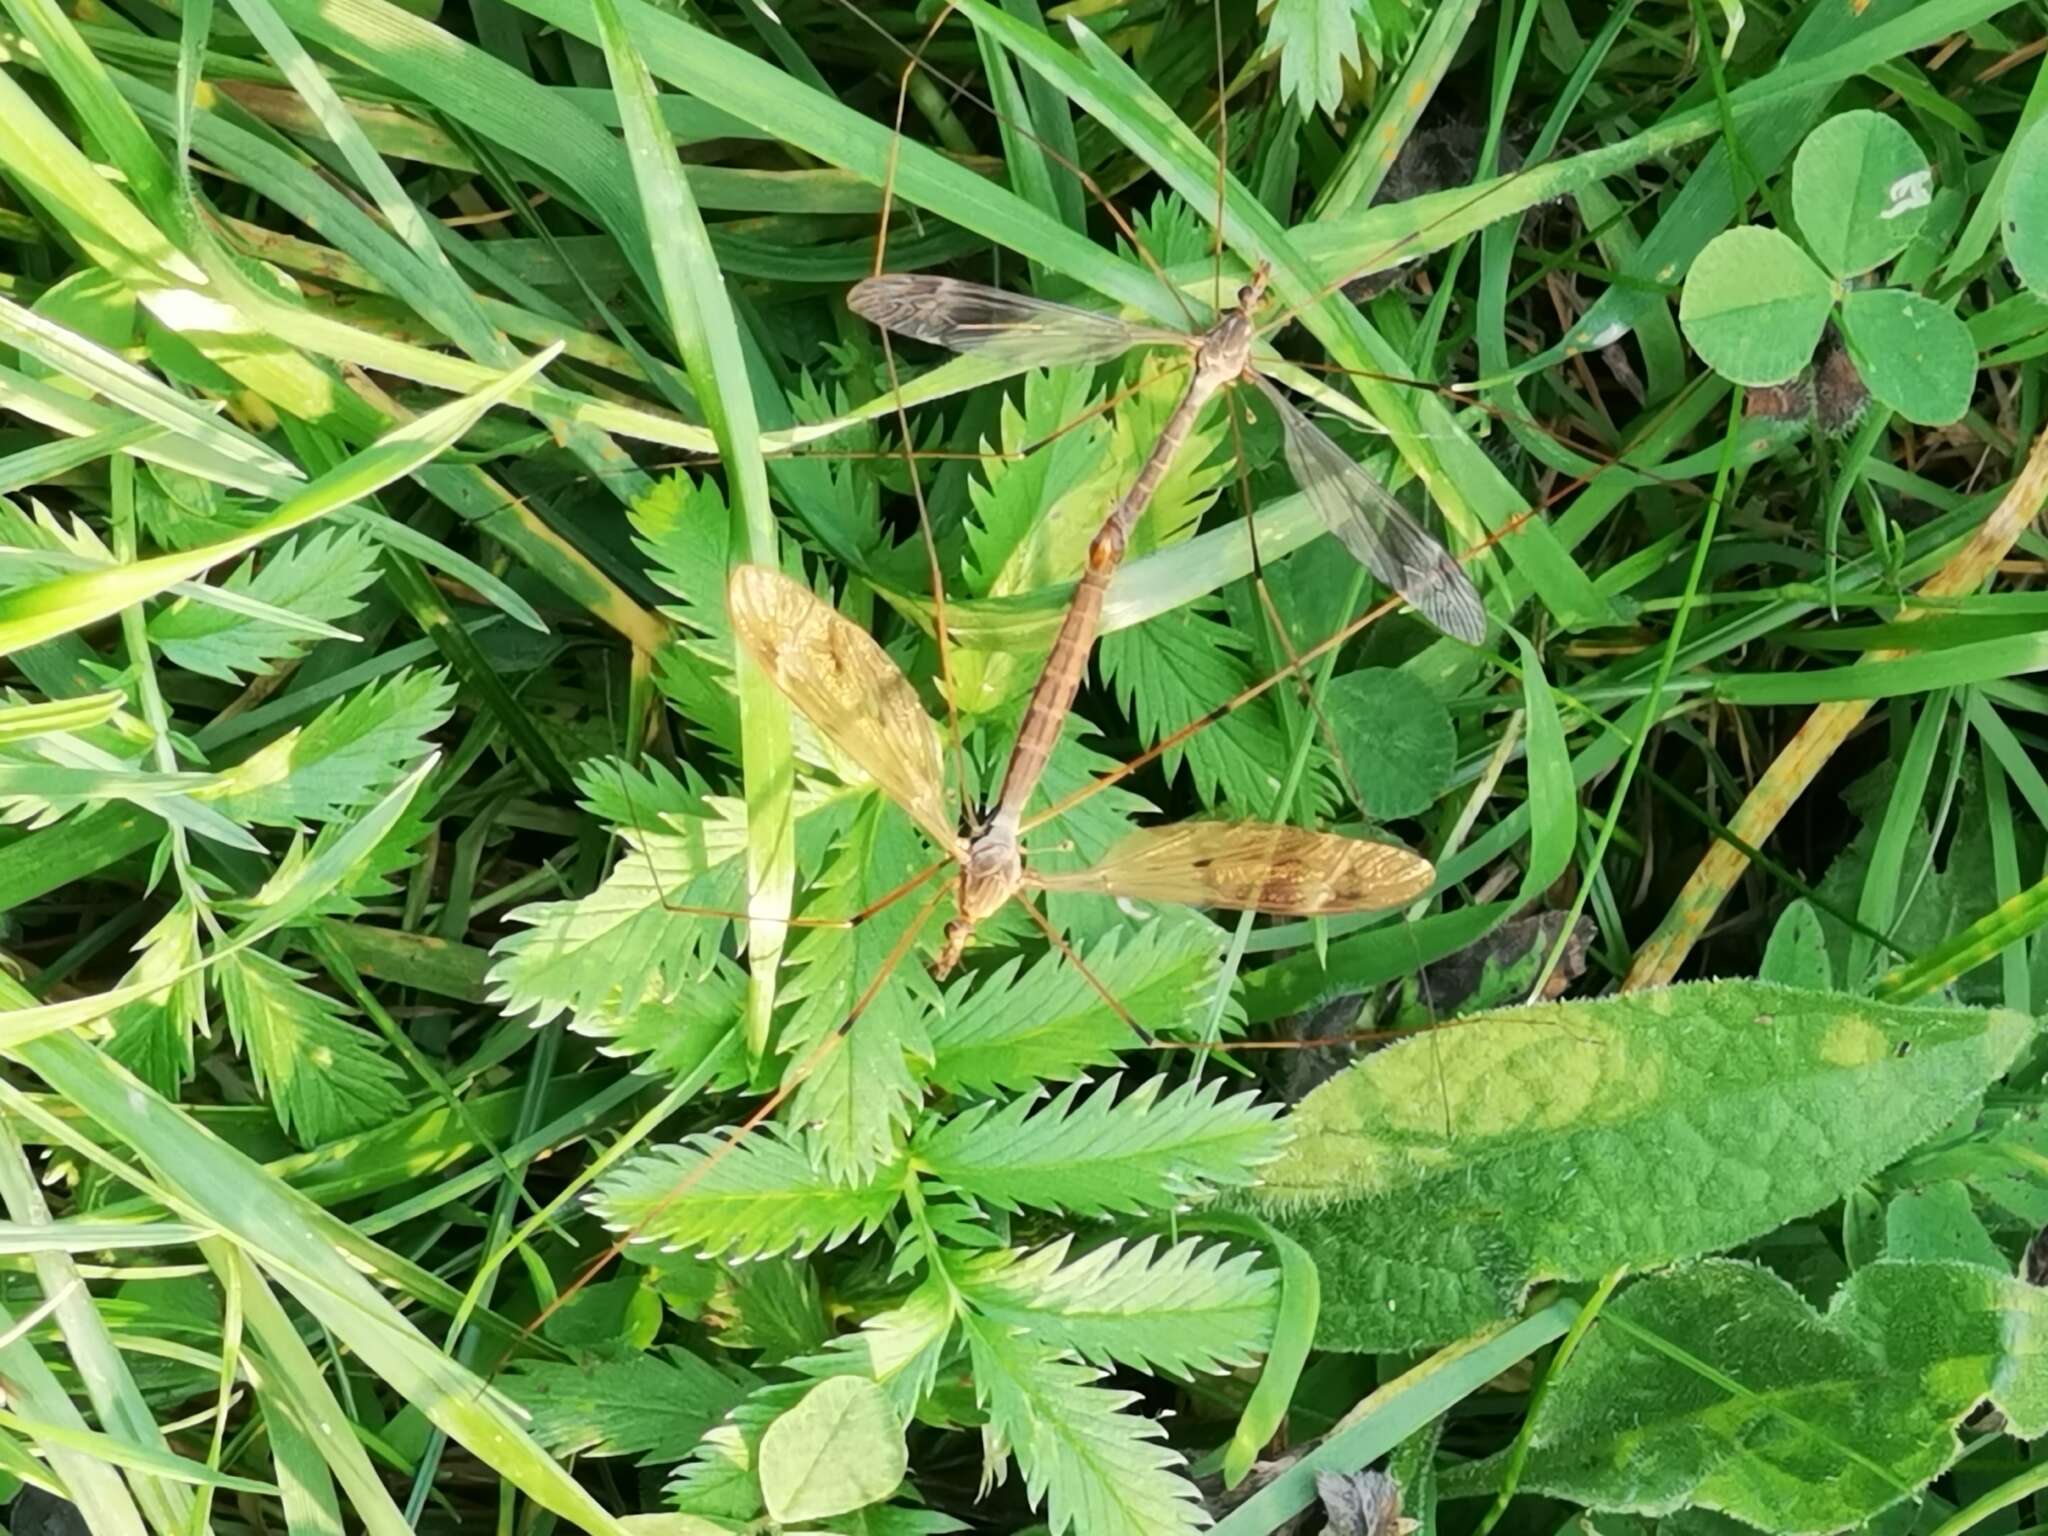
(1913, 353)
(1756, 301)
(1754, 305)
(1861, 189)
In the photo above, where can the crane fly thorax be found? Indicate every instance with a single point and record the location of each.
(990, 873)
(1225, 350)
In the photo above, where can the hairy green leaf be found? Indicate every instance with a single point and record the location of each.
(1437, 1180)
(1716, 1386)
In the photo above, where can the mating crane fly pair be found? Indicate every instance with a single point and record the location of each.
(849, 689)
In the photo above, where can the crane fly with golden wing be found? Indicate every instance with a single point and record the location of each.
(847, 687)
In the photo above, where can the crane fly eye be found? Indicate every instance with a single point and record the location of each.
(1247, 296)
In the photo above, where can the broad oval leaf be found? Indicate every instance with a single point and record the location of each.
(1915, 355)
(1797, 954)
(1395, 737)
(1861, 189)
(2026, 208)
(839, 1449)
(1438, 1180)
(1717, 1387)
(1753, 306)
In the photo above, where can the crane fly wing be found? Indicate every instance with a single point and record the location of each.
(847, 687)
(1373, 526)
(967, 317)
(1254, 866)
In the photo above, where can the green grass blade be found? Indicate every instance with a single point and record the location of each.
(30, 615)
(707, 338)
(1456, 472)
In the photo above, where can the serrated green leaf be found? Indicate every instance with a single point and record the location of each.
(324, 1077)
(684, 528)
(771, 1306)
(608, 955)
(152, 1037)
(1175, 670)
(1754, 305)
(1199, 472)
(1717, 1386)
(1033, 514)
(1192, 1308)
(317, 577)
(901, 1349)
(1006, 1030)
(1437, 1180)
(348, 756)
(1861, 189)
(1091, 1464)
(1149, 1150)
(762, 1196)
(1317, 41)
(857, 1100)
(654, 1407)
(840, 1448)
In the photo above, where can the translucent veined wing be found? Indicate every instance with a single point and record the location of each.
(847, 687)
(1255, 865)
(966, 317)
(1373, 526)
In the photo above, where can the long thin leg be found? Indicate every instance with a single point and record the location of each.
(1088, 182)
(791, 1081)
(1209, 717)
(852, 920)
(1053, 936)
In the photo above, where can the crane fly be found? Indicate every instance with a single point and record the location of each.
(845, 684)
(1352, 504)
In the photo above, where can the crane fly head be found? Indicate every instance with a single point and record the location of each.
(990, 873)
(1253, 293)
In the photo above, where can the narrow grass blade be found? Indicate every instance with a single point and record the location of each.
(1396, 1411)
(707, 338)
(30, 615)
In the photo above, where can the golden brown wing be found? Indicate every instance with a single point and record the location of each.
(1254, 865)
(847, 687)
